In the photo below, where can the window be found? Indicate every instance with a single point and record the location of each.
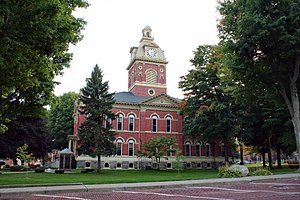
(119, 145)
(119, 165)
(130, 166)
(198, 149)
(207, 149)
(107, 122)
(169, 165)
(154, 123)
(131, 122)
(120, 122)
(168, 124)
(188, 148)
(151, 92)
(88, 165)
(130, 148)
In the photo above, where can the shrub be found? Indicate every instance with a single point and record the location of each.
(260, 172)
(59, 171)
(84, 171)
(224, 172)
(89, 170)
(39, 170)
(6, 166)
(15, 168)
(293, 165)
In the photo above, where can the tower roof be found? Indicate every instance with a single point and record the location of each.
(146, 42)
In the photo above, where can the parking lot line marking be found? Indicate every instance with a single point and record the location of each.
(172, 195)
(236, 190)
(285, 184)
(229, 189)
(55, 196)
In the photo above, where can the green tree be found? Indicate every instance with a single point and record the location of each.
(26, 130)
(208, 110)
(261, 41)
(61, 121)
(34, 43)
(23, 154)
(157, 148)
(179, 160)
(95, 135)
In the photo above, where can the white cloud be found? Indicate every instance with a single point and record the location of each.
(114, 26)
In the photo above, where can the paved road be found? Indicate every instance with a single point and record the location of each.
(272, 189)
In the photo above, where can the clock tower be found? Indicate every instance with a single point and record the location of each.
(147, 67)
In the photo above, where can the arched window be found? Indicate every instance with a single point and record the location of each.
(130, 148)
(207, 149)
(169, 165)
(168, 124)
(119, 146)
(154, 123)
(188, 148)
(130, 166)
(131, 122)
(198, 148)
(120, 122)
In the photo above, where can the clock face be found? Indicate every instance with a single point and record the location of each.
(151, 52)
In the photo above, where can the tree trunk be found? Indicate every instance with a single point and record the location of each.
(264, 159)
(293, 102)
(270, 151)
(226, 149)
(99, 164)
(242, 154)
(278, 157)
(296, 123)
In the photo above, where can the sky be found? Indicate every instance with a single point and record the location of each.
(113, 26)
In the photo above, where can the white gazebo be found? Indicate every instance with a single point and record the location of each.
(65, 159)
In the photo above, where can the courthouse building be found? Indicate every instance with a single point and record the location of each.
(147, 111)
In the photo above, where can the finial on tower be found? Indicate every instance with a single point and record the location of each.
(147, 32)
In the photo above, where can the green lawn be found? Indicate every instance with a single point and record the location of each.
(106, 176)
(114, 176)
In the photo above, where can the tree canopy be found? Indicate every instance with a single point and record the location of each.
(158, 148)
(208, 108)
(61, 121)
(34, 43)
(261, 41)
(95, 135)
(26, 130)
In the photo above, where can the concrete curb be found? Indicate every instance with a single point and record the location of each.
(77, 187)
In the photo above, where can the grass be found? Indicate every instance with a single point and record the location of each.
(115, 176)
(106, 177)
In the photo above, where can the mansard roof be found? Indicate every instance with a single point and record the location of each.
(128, 97)
(159, 100)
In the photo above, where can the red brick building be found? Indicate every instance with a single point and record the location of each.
(146, 111)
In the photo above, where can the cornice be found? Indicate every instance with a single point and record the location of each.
(146, 59)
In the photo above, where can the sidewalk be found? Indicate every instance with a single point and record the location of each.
(77, 187)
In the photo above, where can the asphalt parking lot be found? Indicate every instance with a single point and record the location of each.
(273, 189)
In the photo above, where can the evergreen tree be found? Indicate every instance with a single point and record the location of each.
(95, 136)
